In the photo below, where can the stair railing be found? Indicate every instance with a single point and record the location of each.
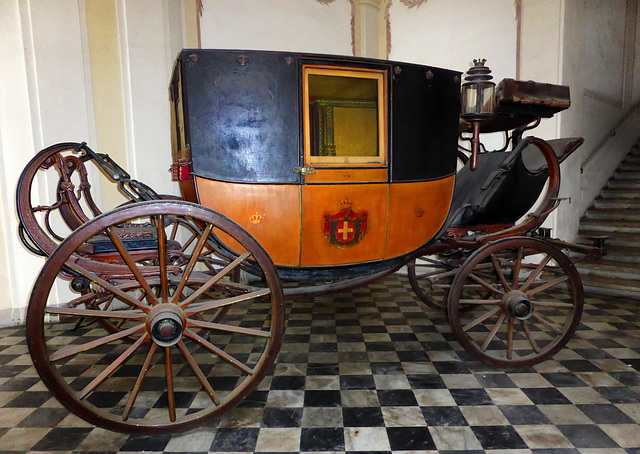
(634, 107)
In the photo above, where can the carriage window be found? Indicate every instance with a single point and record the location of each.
(344, 115)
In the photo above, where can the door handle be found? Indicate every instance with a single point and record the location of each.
(304, 170)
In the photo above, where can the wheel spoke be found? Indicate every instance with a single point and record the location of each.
(535, 273)
(70, 350)
(138, 384)
(222, 354)
(557, 304)
(546, 323)
(112, 367)
(547, 285)
(112, 288)
(499, 273)
(168, 373)
(188, 242)
(481, 319)
(509, 338)
(527, 332)
(480, 302)
(198, 308)
(485, 284)
(192, 263)
(162, 259)
(493, 332)
(174, 230)
(228, 328)
(516, 269)
(132, 266)
(61, 310)
(196, 369)
(437, 274)
(195, 295)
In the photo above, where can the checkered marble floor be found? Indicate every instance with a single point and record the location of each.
(372, 370)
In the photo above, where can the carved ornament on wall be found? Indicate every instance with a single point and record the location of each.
(413, 3)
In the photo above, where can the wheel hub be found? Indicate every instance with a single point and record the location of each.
(517, 305)
(165, 323)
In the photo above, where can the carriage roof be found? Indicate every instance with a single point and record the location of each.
(241, 113)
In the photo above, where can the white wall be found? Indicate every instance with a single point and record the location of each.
(46, 97)
(601, 64)
(452, 33)
(286, 25)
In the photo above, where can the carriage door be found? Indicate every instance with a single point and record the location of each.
(345, 172)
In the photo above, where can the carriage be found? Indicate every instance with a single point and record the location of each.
(300, 175)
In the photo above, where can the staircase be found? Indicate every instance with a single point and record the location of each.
(615, 213)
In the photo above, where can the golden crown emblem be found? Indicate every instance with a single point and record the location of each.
(345, 203)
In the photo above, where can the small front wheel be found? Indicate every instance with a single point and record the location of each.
(530, 304)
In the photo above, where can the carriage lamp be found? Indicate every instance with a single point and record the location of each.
(478, 102)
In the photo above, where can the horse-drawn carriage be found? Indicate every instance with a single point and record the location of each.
(323, 170)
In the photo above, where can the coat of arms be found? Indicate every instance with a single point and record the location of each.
(346, 228)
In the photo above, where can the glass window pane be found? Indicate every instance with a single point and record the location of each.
(344, 115)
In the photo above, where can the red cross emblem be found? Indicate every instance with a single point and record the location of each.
(346, 228)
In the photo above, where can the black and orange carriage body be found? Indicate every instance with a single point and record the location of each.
(338, 166)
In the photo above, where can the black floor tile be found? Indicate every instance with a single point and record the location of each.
(498, 437)
(322, 439)
(587, 436)
(362, 417)
(520, 415)
(470, 396)
(443, 416)
(605, 414)
(410, 439)
(61, 439)
(545, 396)
(230, 440)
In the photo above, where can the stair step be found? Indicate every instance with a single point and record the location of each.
(616, 239)
(608, 227)
(614, 204)
(621, 254)
(613, 214)
(612, 287)
(615, 193)
(633, 166)
(623, 184)
(626, 175)
(610, 268)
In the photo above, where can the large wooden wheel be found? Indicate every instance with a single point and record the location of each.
(175, 360)
(515, 302)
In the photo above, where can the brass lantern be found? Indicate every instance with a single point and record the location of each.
(478, 102)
